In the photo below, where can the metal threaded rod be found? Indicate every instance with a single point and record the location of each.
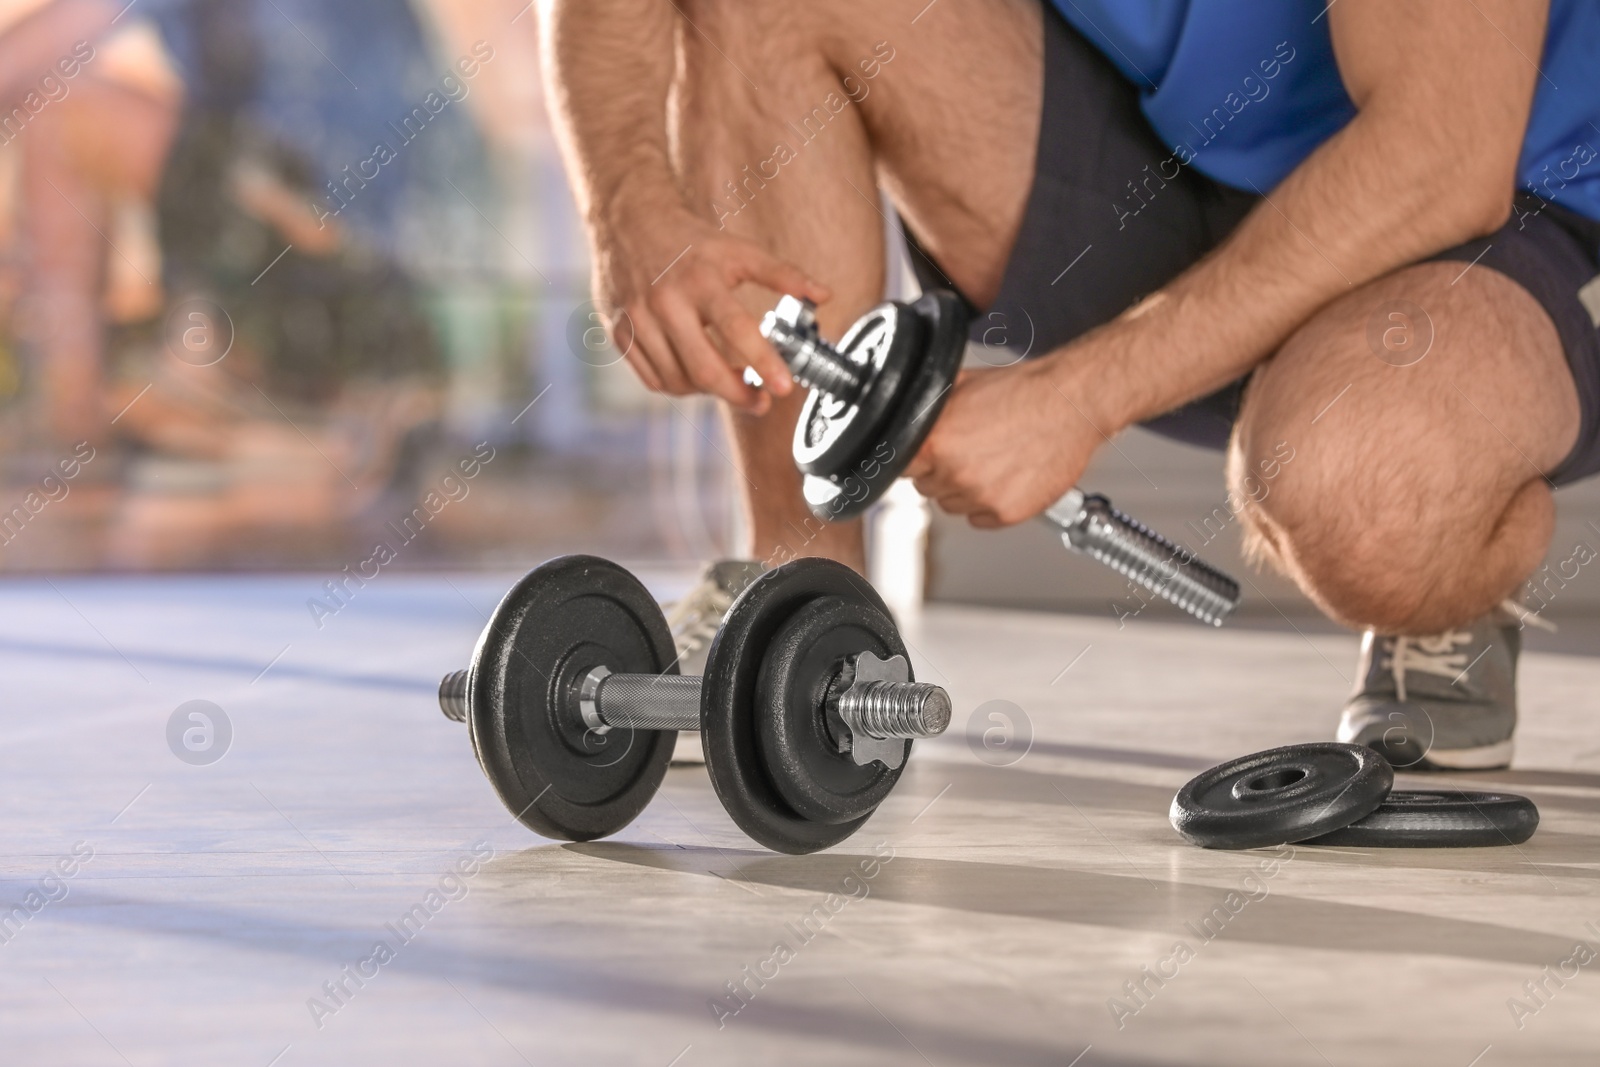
(896, 709)
(1089, 524)
(792, 330)
(672, 702)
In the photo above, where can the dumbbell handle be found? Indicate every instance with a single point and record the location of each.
(1089, 524)
(791, 328)
(639, 701)
(883, 710)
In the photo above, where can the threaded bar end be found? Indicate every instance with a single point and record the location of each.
(1149, 560)
(453, 695)
(815, 363)
(896, 709)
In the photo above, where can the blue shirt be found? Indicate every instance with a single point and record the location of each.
(1243, 90)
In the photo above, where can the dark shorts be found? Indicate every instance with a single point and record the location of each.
(1105, 227)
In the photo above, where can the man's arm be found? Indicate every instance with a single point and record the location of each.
(1443, 93)
(661, 269)
(608, 70)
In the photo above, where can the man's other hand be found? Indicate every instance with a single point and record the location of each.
(1009, 443)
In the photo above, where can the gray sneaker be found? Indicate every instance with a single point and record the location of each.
(694, 621)
(1443, 702)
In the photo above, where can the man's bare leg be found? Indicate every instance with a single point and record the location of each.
(948, 124)
(1416, 497)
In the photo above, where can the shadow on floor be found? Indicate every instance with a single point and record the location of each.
(1143, 901)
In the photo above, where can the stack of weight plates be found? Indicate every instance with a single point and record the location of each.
(1336, 794)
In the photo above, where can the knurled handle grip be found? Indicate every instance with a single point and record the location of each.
(650, 701)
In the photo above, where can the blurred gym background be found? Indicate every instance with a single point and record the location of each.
(278, 267)
(283, 264)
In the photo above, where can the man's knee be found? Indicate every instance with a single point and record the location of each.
(1377, 535)
(1347, 508)
(1348, 544)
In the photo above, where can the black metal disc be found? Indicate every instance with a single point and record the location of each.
(1281, 795)
(800, 667)
(731, 703)
(885, 343)
(1440, 819)
(563, 619)
(849, 492)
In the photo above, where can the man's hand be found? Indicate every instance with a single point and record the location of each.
(673, 276)
(664, 276)
(1009, 442)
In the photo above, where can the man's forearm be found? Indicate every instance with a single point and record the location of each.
(1351, 213)
(1429, 161)
(608, 67)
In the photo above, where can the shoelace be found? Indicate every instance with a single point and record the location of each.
(1430, 655)
(694, 619)
(1437, 654)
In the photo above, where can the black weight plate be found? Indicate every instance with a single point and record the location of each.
(1440, 819)
(563, 619)
(886, 343)
(731, 701)
(849, 492)
(1281, 795)
(801, 760)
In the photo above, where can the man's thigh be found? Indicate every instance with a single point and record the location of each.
(1112, 214)
(947, 96)
(1394, 455)
(1414, 409)
(1477, 370)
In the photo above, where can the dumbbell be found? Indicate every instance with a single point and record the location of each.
(806, 709)
(876, 396)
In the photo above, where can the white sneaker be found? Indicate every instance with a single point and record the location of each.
(694, 621)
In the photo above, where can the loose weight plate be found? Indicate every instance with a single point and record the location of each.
(1281, 795)
(1440, 819)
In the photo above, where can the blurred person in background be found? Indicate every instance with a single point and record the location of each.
(194, 265)
(264, 211)
(86, 115)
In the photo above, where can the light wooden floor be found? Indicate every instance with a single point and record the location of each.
(988, 915)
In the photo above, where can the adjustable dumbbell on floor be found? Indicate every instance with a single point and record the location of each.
(876, 396)
(806, 709)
